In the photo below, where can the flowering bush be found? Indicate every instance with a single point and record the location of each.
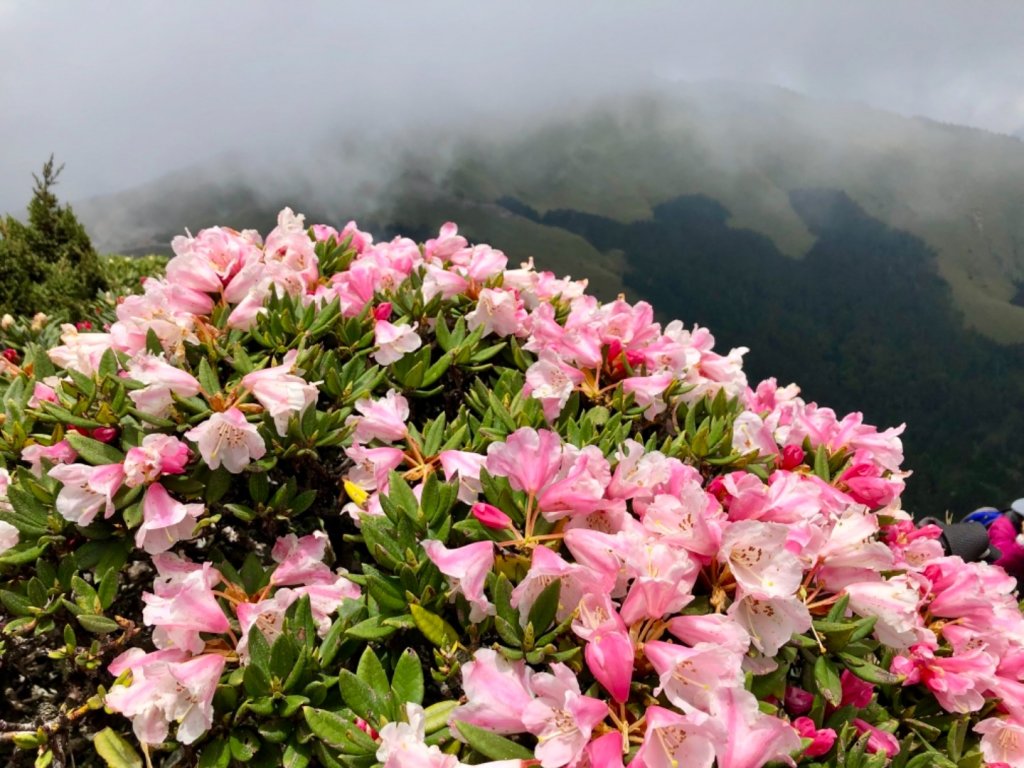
(319, 501)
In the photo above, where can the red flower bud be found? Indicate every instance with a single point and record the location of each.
(83, 325)
(792, 457)
(382, 311)
(11, 355)
(104, 434)
(798, 701)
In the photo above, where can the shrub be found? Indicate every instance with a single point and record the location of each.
(320, 501)
(47, 265)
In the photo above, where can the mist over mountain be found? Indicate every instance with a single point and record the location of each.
(873, 258)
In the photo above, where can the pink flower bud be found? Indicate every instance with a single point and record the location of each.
(821, 740)
(879, 740)
(104, 434)
(856, 692)
(792, 457)
(366, 728)
(382, 311)
(798, 701)
(491, 516)
(80, 430)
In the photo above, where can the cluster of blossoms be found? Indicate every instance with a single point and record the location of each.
(599, 544)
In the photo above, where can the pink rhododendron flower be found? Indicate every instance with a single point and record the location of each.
(856, 692)
(162, 380)
(464, 466)
(497, 311)
(266, 615)
(692, 677)
(770, 622)
(529, 458)
(80, 351)
(167, 687)
(545, 567)
(158, 455)
(281, 392)
(8, 536)
(86, 489)
(466, 568)
(561, 718)
(382, 419)
(301, 560)
(673, 740)
(1002, 740)
(894, 603)
(497, 693)
(394, 341)
(164, 520)
(551, 381)
(182, 605)
(757, 556)
(958, 682)
(750, 739)
(227, 438)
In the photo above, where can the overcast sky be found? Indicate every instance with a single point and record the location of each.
(125, 91)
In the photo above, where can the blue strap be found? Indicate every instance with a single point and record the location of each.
(986, 516)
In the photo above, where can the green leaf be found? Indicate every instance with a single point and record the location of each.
(215, 755)
(435, 717)
(115, 751)
(98, 625)
(360, 697)
(207, 377)
(544, 608)
(407, 682)
(869, 672)
(826, 677)
(94, 451)
(490, 744)
(338, 731)
(371, 671)
(434, 628)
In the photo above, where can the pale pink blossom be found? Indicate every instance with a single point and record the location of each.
(757, 556)
(394, 341)
(464, 466)
(382, 419)
(281, 392)
(301, 560)
(167, 686)
(80, 351)
(182, 605)
(750, 739)
(227, 438)
(770, 622)
(158, 455)
(561, 718)
(529, 458)
(165, 521)
(8, 536)
(895, 604)
(1002, 740)
(162, 380)
(497, 693)
(672, 740)
(691, 677)
(466, 568)
(266, 615)
(497, 311)
(551, 381)
(86, 490)
(545, 567)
